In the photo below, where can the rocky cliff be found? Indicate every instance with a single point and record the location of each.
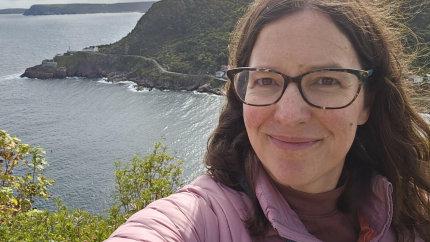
(143, 71)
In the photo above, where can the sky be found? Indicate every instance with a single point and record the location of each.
(27, 3)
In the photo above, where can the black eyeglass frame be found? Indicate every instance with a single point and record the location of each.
(360, 74)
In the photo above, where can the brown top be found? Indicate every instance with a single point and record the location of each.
(320, 215)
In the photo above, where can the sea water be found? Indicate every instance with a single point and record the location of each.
(85, 125)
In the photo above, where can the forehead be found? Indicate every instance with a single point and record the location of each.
(303, 41)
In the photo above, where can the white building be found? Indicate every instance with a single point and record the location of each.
(91, 49)
(415, 79)
(220, 74)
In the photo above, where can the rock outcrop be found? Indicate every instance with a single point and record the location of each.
(116, 68)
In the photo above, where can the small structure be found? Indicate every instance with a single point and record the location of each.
(415, 79)
(59, 55)
(48, 62)
(62, 69)
(91, 49)
(220, 74)
(52, 64)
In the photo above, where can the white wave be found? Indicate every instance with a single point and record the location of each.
(199, 93)
(207, 93)
(127, 82)
(11, 77)
(133, 88)
(75, 78)
(104, 80)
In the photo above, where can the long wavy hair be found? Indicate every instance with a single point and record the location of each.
(394, 142)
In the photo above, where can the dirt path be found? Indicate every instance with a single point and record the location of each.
(176, 73)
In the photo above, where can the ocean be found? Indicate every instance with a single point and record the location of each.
(85, 125)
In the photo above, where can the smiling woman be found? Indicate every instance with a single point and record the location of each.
(301, 146)
(317, 142)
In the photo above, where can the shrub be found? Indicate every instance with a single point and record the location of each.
(17, 193)
(138, 183)
(146, 179)
(61, 225)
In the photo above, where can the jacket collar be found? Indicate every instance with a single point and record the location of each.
(378, 210)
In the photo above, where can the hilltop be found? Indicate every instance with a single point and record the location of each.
(189, 36)
(55, 9)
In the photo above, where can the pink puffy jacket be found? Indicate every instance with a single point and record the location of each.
(206, 210)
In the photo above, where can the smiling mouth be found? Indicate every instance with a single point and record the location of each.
(293, 144)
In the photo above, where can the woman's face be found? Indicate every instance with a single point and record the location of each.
(302, 146)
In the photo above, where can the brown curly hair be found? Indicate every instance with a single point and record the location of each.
(394, 142)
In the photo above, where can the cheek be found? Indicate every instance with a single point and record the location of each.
(343, 124)
(254, 116)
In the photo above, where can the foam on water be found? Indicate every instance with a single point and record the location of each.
(127, 82)
(13, 76)
(104, 81)
(75, 77)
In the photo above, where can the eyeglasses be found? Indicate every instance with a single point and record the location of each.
(328, 88)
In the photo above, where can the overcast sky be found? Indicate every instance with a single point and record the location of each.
(27, 3)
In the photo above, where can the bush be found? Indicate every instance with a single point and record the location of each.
(62, 225)
(17, 193)
(146, 179)
(142, 181)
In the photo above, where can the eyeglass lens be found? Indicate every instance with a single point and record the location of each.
(325, 88)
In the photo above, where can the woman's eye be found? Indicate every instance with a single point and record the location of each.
(327, 81)
(265, 81)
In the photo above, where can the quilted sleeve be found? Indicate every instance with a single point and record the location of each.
(183, 216)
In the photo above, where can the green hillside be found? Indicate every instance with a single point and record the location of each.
(54, 9)
(189, 36)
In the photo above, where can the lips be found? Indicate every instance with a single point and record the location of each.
(293, 143)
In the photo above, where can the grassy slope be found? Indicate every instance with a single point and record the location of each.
(187, 35)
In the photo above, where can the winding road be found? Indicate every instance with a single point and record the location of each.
(177, 73)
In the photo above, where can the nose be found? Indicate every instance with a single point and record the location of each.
(292, 109)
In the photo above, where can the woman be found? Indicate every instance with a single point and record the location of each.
(317, 142)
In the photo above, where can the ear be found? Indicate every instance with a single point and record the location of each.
(364, 115)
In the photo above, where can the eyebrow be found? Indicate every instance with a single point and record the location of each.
(308, 67)
(327, 65)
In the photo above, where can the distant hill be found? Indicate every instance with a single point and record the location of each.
(189, 36)
(13, 11)
(56, 9)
